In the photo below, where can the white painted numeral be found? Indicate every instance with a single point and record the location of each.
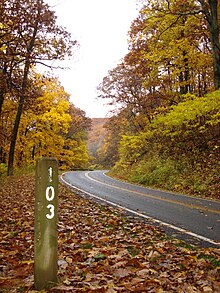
(50, 193)
(50, 174)
(51, 208)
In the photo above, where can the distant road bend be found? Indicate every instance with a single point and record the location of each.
(192, 217)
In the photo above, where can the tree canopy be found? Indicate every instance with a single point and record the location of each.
(166, 90)
(34, 110)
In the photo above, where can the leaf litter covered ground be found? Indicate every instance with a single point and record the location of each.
(100, 250)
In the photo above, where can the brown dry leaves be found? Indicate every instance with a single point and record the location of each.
(99, 249)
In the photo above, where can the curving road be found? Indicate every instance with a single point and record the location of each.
(193, 219)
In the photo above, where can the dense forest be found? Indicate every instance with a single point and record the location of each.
(164, 133)
(166, 89)
(36, 116)
(166, 130)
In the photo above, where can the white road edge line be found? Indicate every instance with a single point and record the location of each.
(143, 194)
(169, 192)
(139, 214)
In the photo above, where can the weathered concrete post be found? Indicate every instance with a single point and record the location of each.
(45, 228)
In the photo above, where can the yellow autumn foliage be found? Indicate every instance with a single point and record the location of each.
(44, 128)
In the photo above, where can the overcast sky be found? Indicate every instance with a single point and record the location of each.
(100, 26)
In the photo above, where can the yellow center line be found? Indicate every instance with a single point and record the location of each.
(191, 206)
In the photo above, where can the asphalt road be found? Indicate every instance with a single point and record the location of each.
(193, 219)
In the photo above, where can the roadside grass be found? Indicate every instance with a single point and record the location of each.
(199, 179)
(100, 249)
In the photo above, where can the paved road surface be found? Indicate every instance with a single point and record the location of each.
(189, 217)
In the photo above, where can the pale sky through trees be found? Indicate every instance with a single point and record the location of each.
(101, 27)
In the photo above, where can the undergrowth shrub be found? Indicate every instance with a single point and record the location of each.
(155, 171)
(176, 175)
(178, 150)
(3, 169)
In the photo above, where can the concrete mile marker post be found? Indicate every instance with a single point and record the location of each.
(45, 226)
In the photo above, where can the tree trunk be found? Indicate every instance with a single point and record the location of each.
(211, 13)
(214, 36)
(184, 76)
(17, 119)
(23, 92)
(3, 87)
(1, 100)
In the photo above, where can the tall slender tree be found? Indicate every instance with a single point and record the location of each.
(211, 11)
(34, 37)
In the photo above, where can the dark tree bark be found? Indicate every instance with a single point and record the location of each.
(23, 91)
(35, 37)
(1, 100)
(210, 10)
(3, 86)
(17, 119)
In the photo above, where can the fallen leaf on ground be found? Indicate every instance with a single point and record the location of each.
(100, 250)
